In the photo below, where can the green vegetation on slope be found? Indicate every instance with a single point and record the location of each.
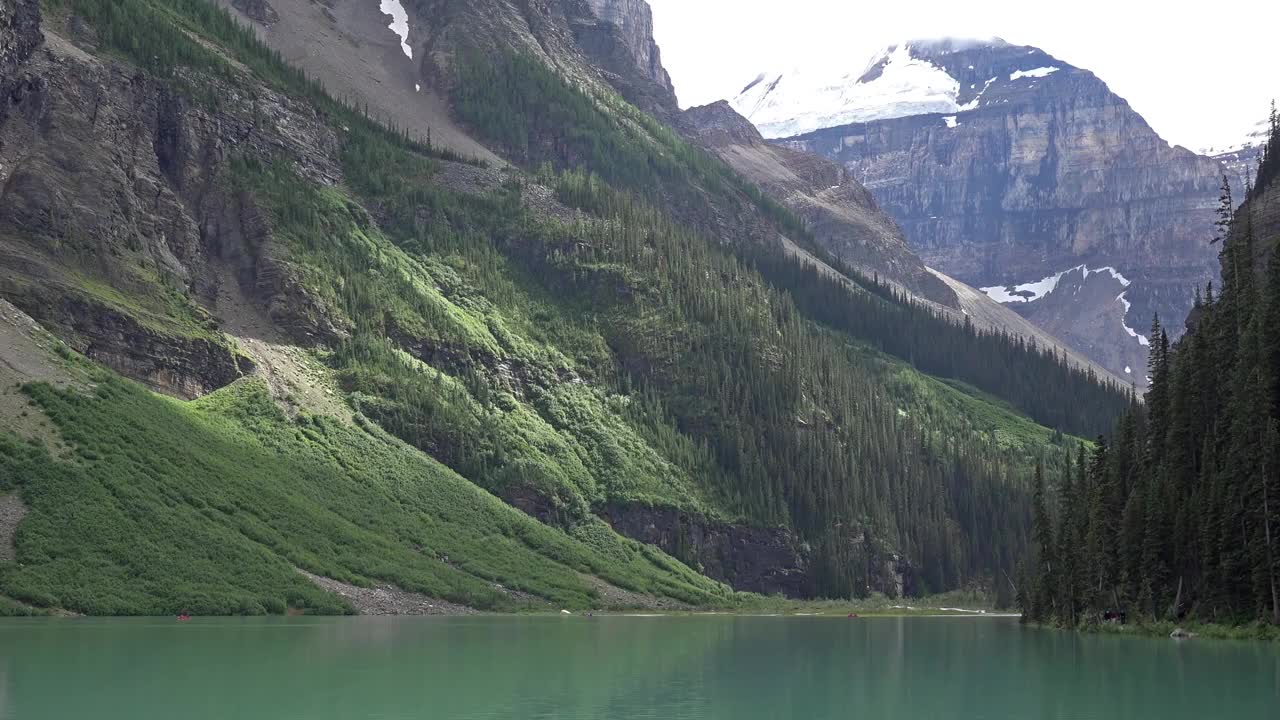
(208, 506)
(499, 407)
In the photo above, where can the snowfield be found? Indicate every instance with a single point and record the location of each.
(399, 23)
(783, 105)
(1036, 73)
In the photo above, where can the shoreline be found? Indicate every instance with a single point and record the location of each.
(577, 614)
(1254, 632)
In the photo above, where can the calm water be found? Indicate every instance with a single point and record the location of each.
(618, 668)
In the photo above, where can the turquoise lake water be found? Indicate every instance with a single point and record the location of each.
(569, 668)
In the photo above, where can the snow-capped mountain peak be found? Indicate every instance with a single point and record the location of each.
(911, 78)
(894, 84)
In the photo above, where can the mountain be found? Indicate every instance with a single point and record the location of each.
(300, 296)
(1006, 168)
(603, 44)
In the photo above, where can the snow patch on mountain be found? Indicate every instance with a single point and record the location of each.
(399, 23)
(1026, 292)
(1039, 289)
(1142, 339)
(1033, 73)
(895, 84)
(1032, 291)
(973, 104)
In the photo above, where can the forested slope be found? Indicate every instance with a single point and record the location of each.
(394, 340)
(1177, 513)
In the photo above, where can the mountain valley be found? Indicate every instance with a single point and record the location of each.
(478, 313)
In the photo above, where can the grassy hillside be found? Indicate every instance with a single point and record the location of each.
(209, 506)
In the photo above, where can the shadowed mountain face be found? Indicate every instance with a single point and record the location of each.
(1005, 166)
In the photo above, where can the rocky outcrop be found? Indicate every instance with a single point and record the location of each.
(257, 10)
(763, 560)
(634, 20)
(236, 233)
(755, 559)
(841, 214)
(19, 33)
(767, 560)
(619, 41)
(1038, 169)
(169, 363)
(112, 215)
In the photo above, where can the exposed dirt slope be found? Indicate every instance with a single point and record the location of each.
(348, 46)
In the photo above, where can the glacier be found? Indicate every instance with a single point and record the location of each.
(783, 105)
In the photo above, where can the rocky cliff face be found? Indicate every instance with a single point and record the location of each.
(19, 33)
(1019, 167)
(113, 231)
(623, 46)
(763, 560)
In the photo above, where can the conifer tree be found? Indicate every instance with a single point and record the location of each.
(1044, 586)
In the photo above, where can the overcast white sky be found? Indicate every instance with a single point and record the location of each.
(1200, 72)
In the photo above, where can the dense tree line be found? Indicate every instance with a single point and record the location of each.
(1177, 512)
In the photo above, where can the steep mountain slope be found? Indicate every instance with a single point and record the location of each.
(166, 248)
(363, 63)
(841, 215)
(1006, 166)
(371, 342)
